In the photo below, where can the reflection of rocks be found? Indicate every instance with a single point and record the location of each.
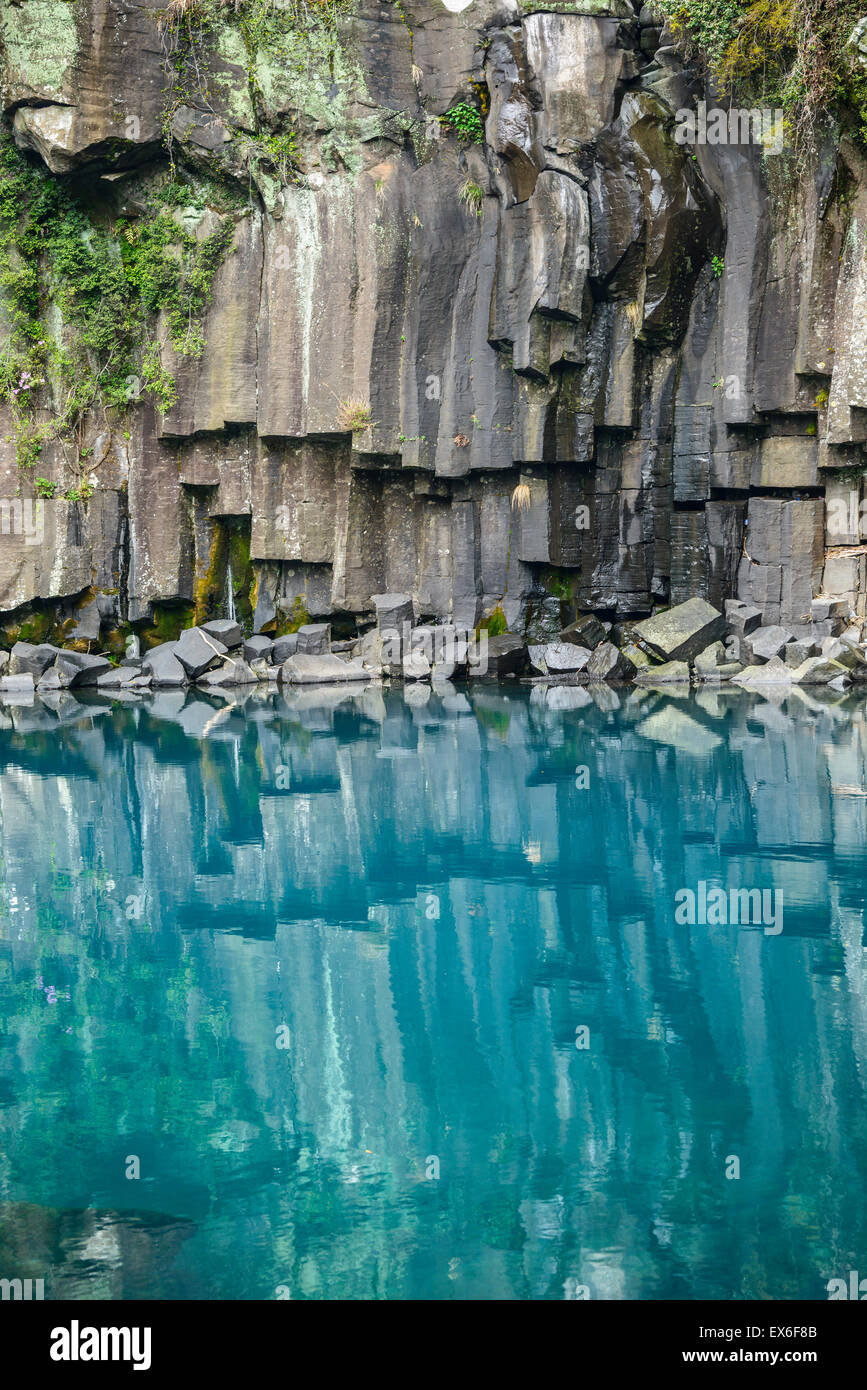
(450, 885)
(92, 1254)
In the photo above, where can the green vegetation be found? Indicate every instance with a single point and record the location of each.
(465, 121)
(792, 54)
(354, 415)
(717, 265)
(471, 195)
(60, 260)
(494, 624)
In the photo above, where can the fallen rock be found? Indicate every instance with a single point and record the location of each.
(81, 668)
(797, 652)
(225, 630)
(773, 672)
(22, 682)
(314, 639)
(416, 667)
(823, 608)
(680, 633)
(232, 671)
(392, 611)
(713, 664)
(197, 651)
(506, 656)
(442, 671)
(27, 659)
(566, 656)
(284, 647)
(558, 657)
(765, 642)
(608, 663)
(668, 673)
(637, 655)
(848, 655)
(118, 677)
(163, 666)
(53, 680)
(742, 618)
(304, 669)
(586, 631)
(257, 648)
(817, 670)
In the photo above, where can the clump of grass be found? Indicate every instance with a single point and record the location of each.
(354, 415)
(521, 498)
(471, 195)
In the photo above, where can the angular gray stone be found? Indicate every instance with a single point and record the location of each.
(314, 639)
(163, 666)
(197, 651)
(742, 618)
(765, 642)
(680, 633)
(796, 653)
(586, 631)
(81, 668)
(668, 673)
(118, 677)
(304, 669)
(27, 659)
(713, 664)
(225, 631)
(566, 656)
(232, 671)
(506, 655)
(22, 682)
(284, 647)
(773, 672)
(416, 667)
(608, 663)
(817, 670)
(255, 648)
(392, 611)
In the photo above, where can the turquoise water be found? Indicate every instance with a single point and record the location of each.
(287, 960)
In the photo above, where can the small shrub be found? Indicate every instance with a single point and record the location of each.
(466, 122)
(45, 488)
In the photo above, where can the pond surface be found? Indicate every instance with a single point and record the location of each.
(383, 996)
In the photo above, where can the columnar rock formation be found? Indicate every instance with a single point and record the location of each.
(665, 343)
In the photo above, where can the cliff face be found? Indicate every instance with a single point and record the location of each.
(398, 318)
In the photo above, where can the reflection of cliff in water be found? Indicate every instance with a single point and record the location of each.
(91, 1254)
(416, 888)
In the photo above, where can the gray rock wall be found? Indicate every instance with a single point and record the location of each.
(679, 421)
